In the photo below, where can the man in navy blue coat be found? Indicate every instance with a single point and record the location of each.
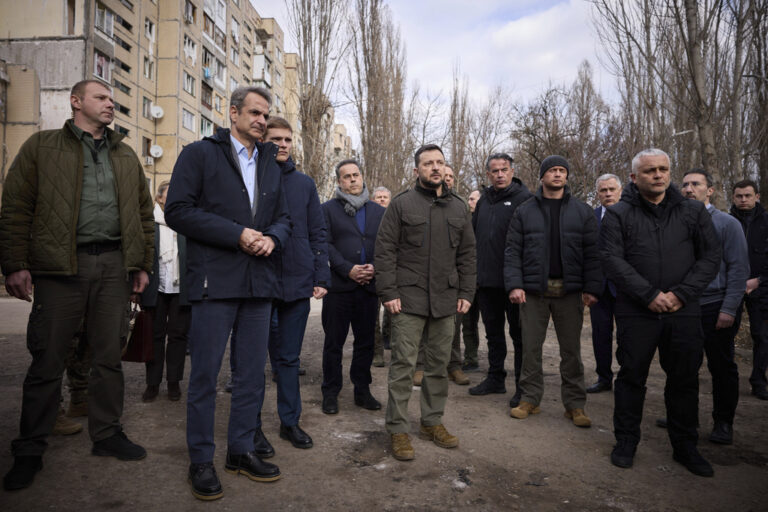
(227, 198)
(352, 222)
(304, 274)
(601, 313)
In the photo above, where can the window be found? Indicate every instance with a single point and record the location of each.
(149, 29)
(145, 145)
(206, 96)
(190, 48)
(190, 12)
(189, 83)
(120, 21)
(146, 108)
(279, 54)
(208, 60)
(206, 127)
(105, 20)
(234, 56)
(128, 5)
(221, 9)
(278, 78)
(219, 38)
(246, 81)
(188, 119)
(236, 2)
(102, 66)
(232, 84)
(221, 71)
(247, 41)
(121, 43)
(122, 65)
(120, 129)
(149, 68)
(217, 102)
(235, 30)
(121, 108)
(208, 26)
(121, 86)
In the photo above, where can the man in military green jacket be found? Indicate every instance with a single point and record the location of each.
(76, 222)
(425, 274)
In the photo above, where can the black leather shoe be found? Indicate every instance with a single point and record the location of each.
(661, 422)
(250, 465)
(23, 472)
(488, 386)
(470, 367)
(722, 433)
(204, 482)
(599, 387)
(297, 437)
(515, 400)
(150, 393)
(261, 446)
(623, 453)
(174, 391)
(762, 394)
(118, 446)
(366, 401)
(330, 405)
(693, 461)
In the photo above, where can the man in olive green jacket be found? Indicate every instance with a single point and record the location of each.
(425, 274)
(76, 221)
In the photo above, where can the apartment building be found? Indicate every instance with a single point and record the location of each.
(172, 64)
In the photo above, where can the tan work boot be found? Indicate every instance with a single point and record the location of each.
(378, 361)
(401, 447)
(65, 426)
(76, 410)
(418, 376)
(579, 418)
(523, 410)
(439, 436)
(458, 377)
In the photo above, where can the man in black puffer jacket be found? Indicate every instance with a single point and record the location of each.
(661, 251)
(551, 268)
(490, 221)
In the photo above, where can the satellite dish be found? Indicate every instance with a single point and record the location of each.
(156, 151)
(157, 111)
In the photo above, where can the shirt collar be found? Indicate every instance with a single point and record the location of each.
(239, 148)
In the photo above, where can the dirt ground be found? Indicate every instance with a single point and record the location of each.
(541, 463)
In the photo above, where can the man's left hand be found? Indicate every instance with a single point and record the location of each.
(140, 281)
(463, 306)
(319, 292)
(724, 320)
(588, 299)
(263, 247)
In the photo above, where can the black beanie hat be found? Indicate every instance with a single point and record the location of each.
(552, 161)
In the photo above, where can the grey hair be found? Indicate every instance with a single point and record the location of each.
(606, 177)
(346, 162)
(238, 96)
(382, 189)
(647, 152)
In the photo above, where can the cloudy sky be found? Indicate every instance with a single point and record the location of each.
(521, 44)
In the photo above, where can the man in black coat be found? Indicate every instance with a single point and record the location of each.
(552, 269)
(661, 251)
(754, 220)
(352, 221)
(490, 220)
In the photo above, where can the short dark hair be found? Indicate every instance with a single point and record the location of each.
(79, 88)
(498, 156)
(280, 123)
(703, 172)
(426, 147)
(238, 96)
(346, 162)
(745, 184)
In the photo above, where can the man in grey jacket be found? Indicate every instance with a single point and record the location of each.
(721, 306)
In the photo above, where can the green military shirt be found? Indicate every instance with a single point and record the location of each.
(99, 217)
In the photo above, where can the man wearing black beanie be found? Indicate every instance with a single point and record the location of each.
(552, 268)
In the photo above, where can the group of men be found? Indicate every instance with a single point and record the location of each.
(77, 221)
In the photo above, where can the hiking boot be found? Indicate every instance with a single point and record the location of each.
(23, 472)
(579, 418)
(722, 433)
(77, 409)
(65, 426)
(524, 410)
(118, 446)
(174, 391)
(458, 377)
(401, 447)
(693, 461)
(418, 376)
(378, 361)
(488, 386)
(623, 453)
(438, 435)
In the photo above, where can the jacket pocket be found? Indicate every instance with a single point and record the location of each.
(414, 229)
(407, 277)
(453, 280)
(455, 230)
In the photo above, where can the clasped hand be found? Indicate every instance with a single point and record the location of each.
(256, 243)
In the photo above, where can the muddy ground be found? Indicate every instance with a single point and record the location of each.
(541, 463)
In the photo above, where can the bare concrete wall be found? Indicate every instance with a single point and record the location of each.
(59, 63)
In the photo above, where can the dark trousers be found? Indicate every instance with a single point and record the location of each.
(340, 310)
(171, 320)
(99, 292)
(494, 307)
(718, 345)
(286, 335)
(212, 322)
(680, 341)
(601, 316)
(758, 329)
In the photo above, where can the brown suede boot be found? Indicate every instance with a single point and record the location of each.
(65, 426)
(401, 447)
(439, 436)
(579, 418)
(458, 377)
(523, 410)
(418, 376)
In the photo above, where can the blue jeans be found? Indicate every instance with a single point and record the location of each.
(212, 321)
